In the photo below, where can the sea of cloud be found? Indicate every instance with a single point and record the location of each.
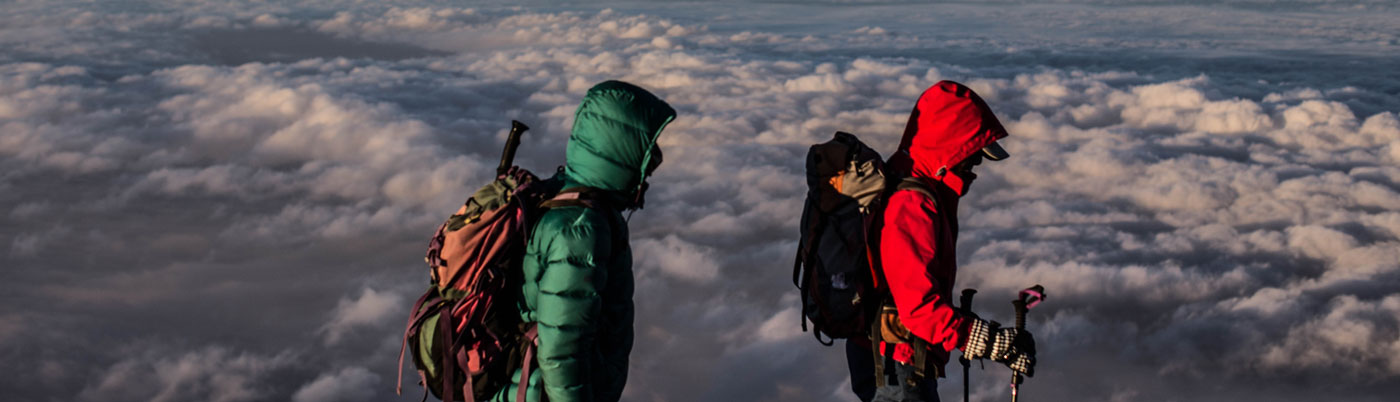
(227, 201)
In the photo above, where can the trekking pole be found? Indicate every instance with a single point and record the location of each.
(1024, 301)
(512, 142)
(966, 302)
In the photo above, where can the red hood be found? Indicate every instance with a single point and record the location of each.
(948, 124)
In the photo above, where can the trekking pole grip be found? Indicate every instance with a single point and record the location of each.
(1016, 378)
(1020, 313)
(512, 142)
(966, 299)
(1024, 301)
(966, 302)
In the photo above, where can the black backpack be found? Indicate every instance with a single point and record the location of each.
(834, 268)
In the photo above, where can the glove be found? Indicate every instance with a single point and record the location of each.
(1010, 346)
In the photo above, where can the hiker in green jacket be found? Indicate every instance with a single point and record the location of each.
(578, 264)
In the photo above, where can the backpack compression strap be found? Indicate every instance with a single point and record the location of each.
(448, 369)
(879, 358)
(532, 340)
(431, 297)
(802, 277)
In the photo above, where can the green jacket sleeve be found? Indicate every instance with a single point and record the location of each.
(570, 306)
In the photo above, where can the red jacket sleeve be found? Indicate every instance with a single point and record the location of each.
(919, 277)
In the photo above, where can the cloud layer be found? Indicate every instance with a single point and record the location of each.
(229, 201)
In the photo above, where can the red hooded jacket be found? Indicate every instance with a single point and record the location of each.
(917, 243)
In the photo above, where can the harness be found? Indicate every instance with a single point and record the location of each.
(886, 331)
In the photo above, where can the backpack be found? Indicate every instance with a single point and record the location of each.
(464, 333)
(834, 268)
(837, 266)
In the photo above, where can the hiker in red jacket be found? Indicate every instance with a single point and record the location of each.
(950, 131)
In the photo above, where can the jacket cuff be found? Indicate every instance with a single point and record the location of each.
(963, 331)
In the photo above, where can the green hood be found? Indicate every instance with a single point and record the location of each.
(615, 130)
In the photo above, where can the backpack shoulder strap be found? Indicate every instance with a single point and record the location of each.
(913, 183)
(586, 197)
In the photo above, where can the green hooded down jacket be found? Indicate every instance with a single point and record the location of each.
(578, 264)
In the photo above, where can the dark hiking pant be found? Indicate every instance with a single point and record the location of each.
(896, 388)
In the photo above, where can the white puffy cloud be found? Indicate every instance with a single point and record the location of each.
(677, 258)
(212, 373)
(1192, 206)
(347, 384)
(1358, 337)
(372, 308)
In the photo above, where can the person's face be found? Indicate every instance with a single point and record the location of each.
(964, 169)
(640, 199)
(654, 162)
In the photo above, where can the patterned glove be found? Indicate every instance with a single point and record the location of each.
(1009, 346)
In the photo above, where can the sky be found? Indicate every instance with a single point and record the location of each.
(229, 200)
